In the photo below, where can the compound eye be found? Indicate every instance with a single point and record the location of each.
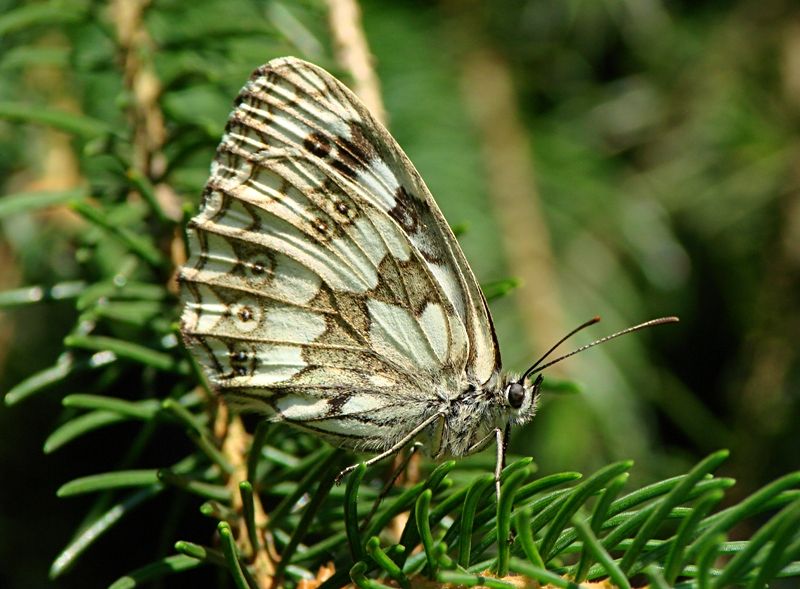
(515, 395)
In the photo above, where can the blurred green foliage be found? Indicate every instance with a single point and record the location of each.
(665, 150)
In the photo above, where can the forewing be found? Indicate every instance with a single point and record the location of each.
(313, 290)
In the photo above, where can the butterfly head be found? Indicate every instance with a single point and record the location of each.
(521, 398)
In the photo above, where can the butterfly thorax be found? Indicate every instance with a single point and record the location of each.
(473, 416)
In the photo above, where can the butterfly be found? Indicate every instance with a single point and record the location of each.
(325, 289)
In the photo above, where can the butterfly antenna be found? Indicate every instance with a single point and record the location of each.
(533, 369)
(584, 325)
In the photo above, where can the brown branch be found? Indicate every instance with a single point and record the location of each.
(352, 53)
(491, 101)
(145, 115)
(489, 91)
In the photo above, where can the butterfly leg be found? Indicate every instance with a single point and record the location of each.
(500, 462)
(502, 445)
(396, 448)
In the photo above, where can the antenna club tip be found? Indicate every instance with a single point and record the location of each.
(596, 319)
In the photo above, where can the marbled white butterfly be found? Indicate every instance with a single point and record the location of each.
(325, 289)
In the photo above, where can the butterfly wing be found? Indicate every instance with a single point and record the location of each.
(324, 285)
